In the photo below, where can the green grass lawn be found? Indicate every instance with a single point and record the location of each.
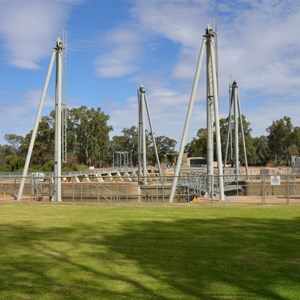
(179, 252)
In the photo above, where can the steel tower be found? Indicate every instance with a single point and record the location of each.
(212, 108)
(56, 54)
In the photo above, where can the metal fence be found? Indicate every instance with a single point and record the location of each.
(192, 187)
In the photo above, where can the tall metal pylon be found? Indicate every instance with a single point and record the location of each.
(212, 107)
(237, 119)
(142, 157)
(64, 146)
(56, 54)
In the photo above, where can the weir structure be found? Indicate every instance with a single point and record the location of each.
(212, 109)
(142, 157)
(58, 56)
(237, 120)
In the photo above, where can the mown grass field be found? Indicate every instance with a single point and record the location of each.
(179, 252)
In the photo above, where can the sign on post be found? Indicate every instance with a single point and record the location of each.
(275, 180)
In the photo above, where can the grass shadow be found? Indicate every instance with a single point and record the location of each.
(232, 258)
(126, 255)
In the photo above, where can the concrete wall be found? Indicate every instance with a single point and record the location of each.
(256, 187)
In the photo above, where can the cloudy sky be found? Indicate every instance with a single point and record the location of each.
(116, 45)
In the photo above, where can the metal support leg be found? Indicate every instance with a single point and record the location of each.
(153, 137)
(229, 129)
(217, 123)
(243, 135)
(187, 121)
(36, 125)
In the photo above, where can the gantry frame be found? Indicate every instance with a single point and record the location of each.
(212, 108)
(56, 55)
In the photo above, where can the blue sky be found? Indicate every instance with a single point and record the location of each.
(116, 45)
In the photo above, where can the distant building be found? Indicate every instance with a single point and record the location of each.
(196, 162)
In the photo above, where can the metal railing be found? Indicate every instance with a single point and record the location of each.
(192, 187)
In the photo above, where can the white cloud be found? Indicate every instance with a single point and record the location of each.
(177, 21)
(121, 59)
(258, 45)
(257, 39)
(19, 117)
(260, 48)
(171, 20)
(29, 28)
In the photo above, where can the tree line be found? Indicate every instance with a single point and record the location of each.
(89, 143)
(276, 148)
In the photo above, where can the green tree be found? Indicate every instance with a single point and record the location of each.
(165, 145)
(5, 150)
(197, 147)
(15, 141)
(89, 135)
(43, 150)
(294, 148)
(14, 163)
(127, 142)
(87, 139)
(280, 140)
(261, 147)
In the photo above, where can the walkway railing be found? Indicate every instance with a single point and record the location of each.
(193, 187)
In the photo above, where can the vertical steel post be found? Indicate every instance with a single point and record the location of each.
(217, 122)
(263, 189)
(140, 128)
(209, 122)
(142, 135)
(58, 123)
(236, 130)
(288, 189)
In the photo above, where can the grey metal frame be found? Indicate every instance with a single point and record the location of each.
(57, 53)
(212, 110)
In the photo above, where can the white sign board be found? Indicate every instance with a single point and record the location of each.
(275, 180)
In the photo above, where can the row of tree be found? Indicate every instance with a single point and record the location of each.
(88, 143)
(276, 148)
